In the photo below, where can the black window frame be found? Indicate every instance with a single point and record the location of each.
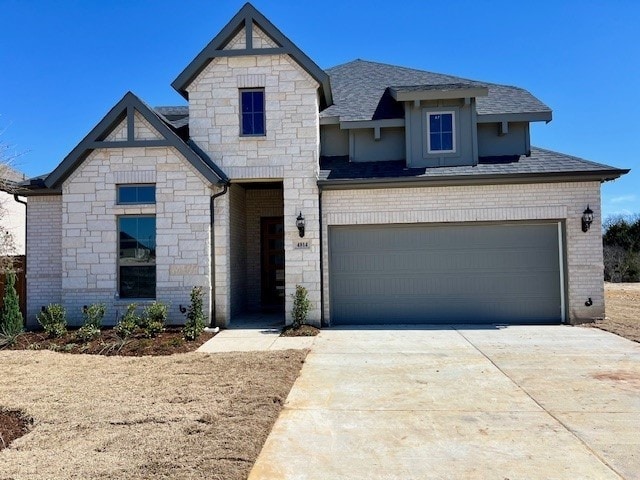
(121, 186)
(252, 112)
(145, 262)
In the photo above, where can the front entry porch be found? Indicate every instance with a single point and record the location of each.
(257, 254)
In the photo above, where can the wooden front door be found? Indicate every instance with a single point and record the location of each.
(272, 262)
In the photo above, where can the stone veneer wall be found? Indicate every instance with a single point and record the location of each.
(289, 152)
(44, 254)
(89, 228)
(492, 203)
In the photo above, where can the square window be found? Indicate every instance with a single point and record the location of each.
(252, 121)
(441, 132)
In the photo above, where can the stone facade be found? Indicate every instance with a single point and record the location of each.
(564, 202)
(89, 243)
(289, 152)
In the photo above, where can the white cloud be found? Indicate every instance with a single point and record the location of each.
(623, 199)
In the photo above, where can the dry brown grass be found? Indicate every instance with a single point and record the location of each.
(622, 306)
(186, 416)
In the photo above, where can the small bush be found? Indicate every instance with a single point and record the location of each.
(127, 325)
(153, 319)
(93, 315)
(194, 325)
(54, 320)
(11, 321)
(301, 306)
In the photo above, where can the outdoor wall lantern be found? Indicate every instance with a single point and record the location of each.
(587, 219)
(300, 224)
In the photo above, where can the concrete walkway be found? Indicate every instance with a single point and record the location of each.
(521, 402)
(254, 332)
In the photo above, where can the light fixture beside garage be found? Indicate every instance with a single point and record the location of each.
(300, 224)
(587, 219)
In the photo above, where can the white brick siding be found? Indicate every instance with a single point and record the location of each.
(557, 201)
(44, 254)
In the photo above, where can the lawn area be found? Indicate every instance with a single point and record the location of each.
(183, 416)
(622, 306)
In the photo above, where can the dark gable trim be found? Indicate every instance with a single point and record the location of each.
(126, 108)
(244, 19)
(462, 180)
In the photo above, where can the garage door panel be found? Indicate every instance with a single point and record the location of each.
(443, 274)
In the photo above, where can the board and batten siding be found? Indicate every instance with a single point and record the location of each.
(487, 203)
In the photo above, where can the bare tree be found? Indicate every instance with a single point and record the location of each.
(8, 180)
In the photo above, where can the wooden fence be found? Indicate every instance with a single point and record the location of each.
(20, 265)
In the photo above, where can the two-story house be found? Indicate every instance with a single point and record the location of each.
(393, 195)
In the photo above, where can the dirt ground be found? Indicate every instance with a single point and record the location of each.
(622, 310)
(184, 416)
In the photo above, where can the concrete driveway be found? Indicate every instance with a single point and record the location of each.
(520, 402)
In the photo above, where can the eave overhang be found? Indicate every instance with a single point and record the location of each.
(462, 180)
(437, 92)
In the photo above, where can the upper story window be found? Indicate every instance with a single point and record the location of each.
(441, 134)
(136, 194)
(252, 120)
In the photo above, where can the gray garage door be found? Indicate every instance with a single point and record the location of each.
(470, 273)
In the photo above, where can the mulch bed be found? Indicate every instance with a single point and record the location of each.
(301, 331)
(13, 424)
(108, 343)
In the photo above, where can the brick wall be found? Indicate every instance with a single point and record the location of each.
(558, 201)
(44, 253)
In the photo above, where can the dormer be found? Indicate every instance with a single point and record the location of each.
(440, 123)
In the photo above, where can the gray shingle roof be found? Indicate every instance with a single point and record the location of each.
(359, 90)
(177, 117)
(541, 162)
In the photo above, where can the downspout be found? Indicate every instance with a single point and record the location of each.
(225, 188)
(26, 239)
(322, 322)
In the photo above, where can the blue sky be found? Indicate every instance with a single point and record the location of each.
(64, 64)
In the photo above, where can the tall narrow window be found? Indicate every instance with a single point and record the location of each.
(441, 136)
(252, 120)
(137, 257)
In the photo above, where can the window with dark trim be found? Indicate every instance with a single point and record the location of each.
(252, 118)
(441, 133)
(136, 194)
(137, 256)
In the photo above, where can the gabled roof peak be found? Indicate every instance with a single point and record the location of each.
(244, 20)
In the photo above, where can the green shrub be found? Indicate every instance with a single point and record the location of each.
(153, 319)
(128, 323)
(93, 315)
(53, 319)
(11, 321)
(301, 306)
(194, 325)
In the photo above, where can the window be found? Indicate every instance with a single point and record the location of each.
(441, 132)
(137, 256)
(136, 194)
(252, 121)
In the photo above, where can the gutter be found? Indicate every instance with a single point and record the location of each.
(451, 180)
(225, 189)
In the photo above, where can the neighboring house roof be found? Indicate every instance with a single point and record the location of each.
(542, 164)
(360, 93)
(244, 19)
(125, 109)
